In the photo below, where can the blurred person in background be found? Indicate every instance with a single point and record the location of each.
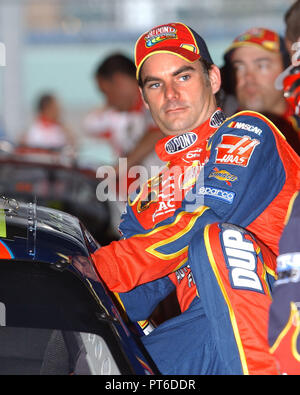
(123, 121)
(48, 130)
(252, 63)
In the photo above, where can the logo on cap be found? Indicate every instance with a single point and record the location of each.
(160, 34)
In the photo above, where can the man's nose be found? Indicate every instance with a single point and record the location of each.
(250, 75)
(171, 92)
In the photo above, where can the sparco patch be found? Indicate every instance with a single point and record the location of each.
(216, 193)
(181, 142)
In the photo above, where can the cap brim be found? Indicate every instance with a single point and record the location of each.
(183, 53)
(246, 44)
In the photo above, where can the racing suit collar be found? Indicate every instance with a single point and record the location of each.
(172, 147)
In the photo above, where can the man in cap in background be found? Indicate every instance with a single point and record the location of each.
(238, 170)
(121, 128)
(123, 121)
(252, 63)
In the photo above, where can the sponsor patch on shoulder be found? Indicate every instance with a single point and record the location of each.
(180, 142)
(235, 150)
(222, 175)
(245, 126)
(216, 193)
(217, 119)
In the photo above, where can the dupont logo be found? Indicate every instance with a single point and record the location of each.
(2, 55)
(181, 142)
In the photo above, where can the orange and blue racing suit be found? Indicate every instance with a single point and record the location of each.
(240, 171)
(284, 313)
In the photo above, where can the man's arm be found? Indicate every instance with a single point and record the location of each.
(243, 175)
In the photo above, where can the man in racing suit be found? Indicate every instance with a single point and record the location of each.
(284, 317)
(176, 233)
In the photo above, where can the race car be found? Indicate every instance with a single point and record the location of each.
(53, 179)
(56, 315)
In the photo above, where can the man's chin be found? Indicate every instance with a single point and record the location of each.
(175, 131)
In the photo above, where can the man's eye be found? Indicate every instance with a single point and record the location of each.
(263, 66)
(154, 86)
(184, 77)
(238, 67)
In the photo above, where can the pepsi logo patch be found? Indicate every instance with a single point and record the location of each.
(181, 142)
(217, 119)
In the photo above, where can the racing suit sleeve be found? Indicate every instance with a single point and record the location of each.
(253, 176)
(140, 302)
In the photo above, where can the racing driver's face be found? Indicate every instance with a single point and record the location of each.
(178, 93)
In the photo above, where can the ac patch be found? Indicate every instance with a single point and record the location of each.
(235, 150)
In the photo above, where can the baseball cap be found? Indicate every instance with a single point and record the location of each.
(257, 36)
(175, 38)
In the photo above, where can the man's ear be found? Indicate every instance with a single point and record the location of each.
(215, 78)
(144, 97)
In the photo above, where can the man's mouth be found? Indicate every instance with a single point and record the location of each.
(251, 90)
(174, 110)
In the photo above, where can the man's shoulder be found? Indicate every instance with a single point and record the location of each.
(251, 121)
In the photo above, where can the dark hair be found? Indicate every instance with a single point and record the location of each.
(43, 101)
(292, 18)
(116, 63)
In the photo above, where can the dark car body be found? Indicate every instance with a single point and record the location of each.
(53, 180)
(56, 315)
